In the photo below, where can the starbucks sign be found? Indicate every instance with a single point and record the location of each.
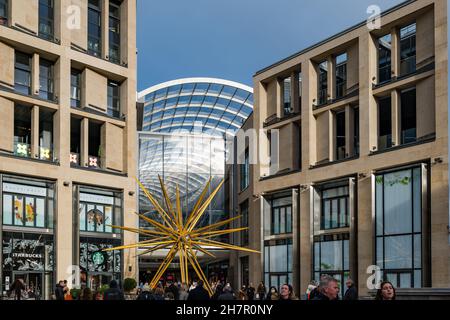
(98, 258)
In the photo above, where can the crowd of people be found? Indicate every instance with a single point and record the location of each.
(326, 289)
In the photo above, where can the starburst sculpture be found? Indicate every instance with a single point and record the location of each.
(181, 235)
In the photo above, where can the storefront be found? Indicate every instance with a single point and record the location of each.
(28, 246)
(97, 210)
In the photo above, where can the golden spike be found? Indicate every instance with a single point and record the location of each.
(204, 207)
(167, 219)
(168, 202)
(204, 251)
(182, 264)
(160, 226)
(218, 232)
(141, 231)
(163, 267)
(200, 272)
(197, 204)
(162, 246)
(215, 225)
(179, 211)
(212, 243)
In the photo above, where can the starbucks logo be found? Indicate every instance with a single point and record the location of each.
(98, 258)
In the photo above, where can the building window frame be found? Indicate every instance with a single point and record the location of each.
(408, 49)
(384, 59)
(322, 85)
(113, 108)
(95, 28)
(341, 75)
(75, 88)
(245, 171)
(287, 273)
(4, 5)
(278, 214)
(46, 19)
(340, 223)
(46, 80)
(24, 85)
(114, 31)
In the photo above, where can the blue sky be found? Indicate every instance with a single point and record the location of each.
(232, 39)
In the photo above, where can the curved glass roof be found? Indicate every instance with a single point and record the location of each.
(202, 105)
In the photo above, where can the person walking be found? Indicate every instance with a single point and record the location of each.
(250, 292)
(227, 294)
(350, 293)
(59, 291)
(113, 292)
(261, 291)
(329, 289)
(272, 294)
(218, 291)
(17, 288)
(199, 293)
(242, 295)
(386, 292)
(183, 294)
(287, 292)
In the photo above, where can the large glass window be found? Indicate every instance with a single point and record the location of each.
(94, 28)
(335, 208)
(22, 131)
(113, 99)
(4, 12)
(46, 19)
(27, 203)
(408, 116)
(399, 226)
(384, 123)
(278, 262)
(287, 96)
(99, 211)
(281, 216)
(384, 58)
(331, 257)
(245, 171)
(22, 73)
(244, 223)
(408, 49)
(341, 75)
(323, 83)
(46, 79)
(340, 135)
(75, 89)
(114, 30)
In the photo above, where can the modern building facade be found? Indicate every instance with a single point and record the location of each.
(67, 141)
(357, 127)
(184, 126)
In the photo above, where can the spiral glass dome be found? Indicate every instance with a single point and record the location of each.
(211, 105)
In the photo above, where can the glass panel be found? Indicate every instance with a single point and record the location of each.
(398, 252)
(327, 215)
(317, 256)
(417, 198)
(278, 259)
(392, 278)
(384, 58)
(405, 280)
(40, 213)
(282, 220)
(82, 216)
(343, 212)
(380, 252)
(289, 219)
(266, 259)
(379, 204)
(418, 251)
(331, 255)
(7, 209)
(99, 218)
(276, 221)
(90, 216)
(289, 258)
(18, 210)
(398, 202)
(417, 279)
(346, 255)
(334, 214)
(108, 219)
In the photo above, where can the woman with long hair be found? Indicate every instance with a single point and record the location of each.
(386, 291)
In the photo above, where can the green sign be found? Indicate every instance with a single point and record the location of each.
(98, 258)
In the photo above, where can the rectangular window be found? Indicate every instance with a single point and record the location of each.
(114, 31)
(114, 99)
(22, 73)
(341, 75)
(245, 171)
(46, 19)
(75, 141)
(46, 134)
(331, 257)
(75, 89)
(22, 131)
(335, 208)
(398, 215)
(245, 271)
(408, 116)
(287, 100)
(46, 79)
(384, 58)
(244, 223)
(281, 216)
(4, 12)
(356, 131)
(384, 123)
(94, 28)
(278, 262)
(408, 49)
(340, 135)
(95, 146)
(323, 83)
(27, 203)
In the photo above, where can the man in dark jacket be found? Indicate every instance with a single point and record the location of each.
(227, 294)
(174, 289)
(113, 293)
(59, 291)
(351, 293)
(199, 293)
(329, 289)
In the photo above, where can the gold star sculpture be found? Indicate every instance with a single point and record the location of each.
(181, 235)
